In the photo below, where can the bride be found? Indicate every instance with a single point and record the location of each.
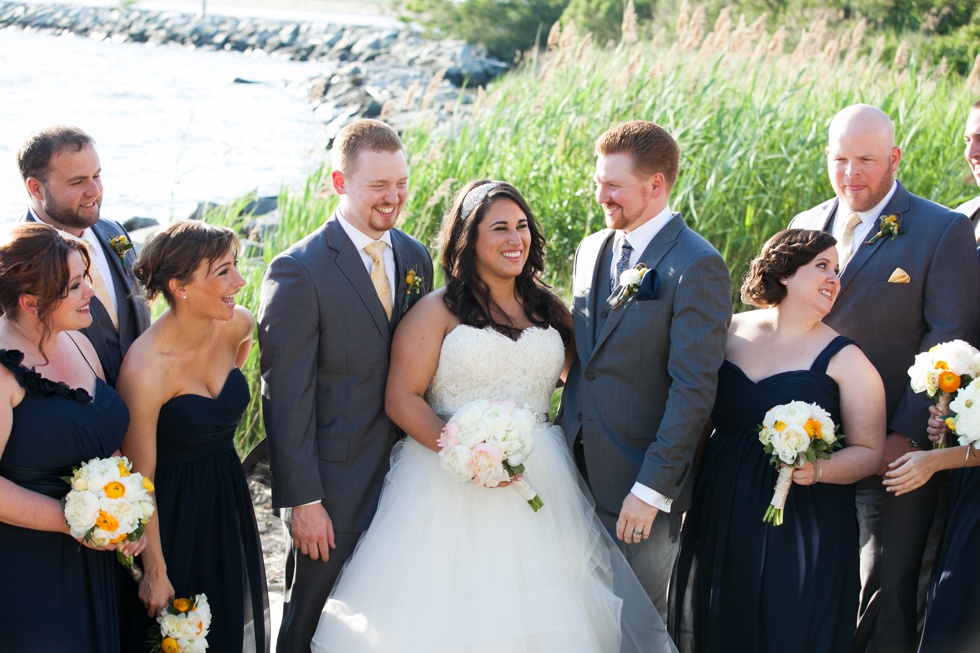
(448, 566)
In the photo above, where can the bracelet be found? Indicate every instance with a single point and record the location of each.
(969, 451)
(819, 472)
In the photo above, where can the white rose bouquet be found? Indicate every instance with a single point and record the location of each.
(487, 442)
(942, 371)
(792, 434)
(182, 627)
(108, 503)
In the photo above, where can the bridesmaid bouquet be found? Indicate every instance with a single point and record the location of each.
(109, 503)
(487, 442)
(182, 627)
(942, 371)
(792, 434)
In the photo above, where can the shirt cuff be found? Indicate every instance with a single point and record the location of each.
(652, 497)
(303, 505)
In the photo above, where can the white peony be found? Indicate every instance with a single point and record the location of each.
(456, 461)
(81, 510)
(966, 407)
(631, 277)
(790, 442)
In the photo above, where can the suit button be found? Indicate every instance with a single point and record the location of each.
(590, 376)
(605, 313)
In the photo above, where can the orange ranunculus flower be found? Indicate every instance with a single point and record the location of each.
(812, 428)
(169, 645)
(949, 381)
(951, 423)
(117, 540)
(114, 489)
(779, 426)
(942, 365)
(200, 627)
(106, 522)
(182, 605)
(123, 471)
(148, 484)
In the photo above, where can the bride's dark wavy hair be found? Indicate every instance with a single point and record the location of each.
(467, 295)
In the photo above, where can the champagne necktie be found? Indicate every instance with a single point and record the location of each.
(102, 292)
(846, 243)
(379, 276)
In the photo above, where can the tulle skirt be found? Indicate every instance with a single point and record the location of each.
(449, 566)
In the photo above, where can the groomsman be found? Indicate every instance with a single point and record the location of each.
(329, 306)
(641, 388)
(971, 136)
(63, 176)
(907, 283)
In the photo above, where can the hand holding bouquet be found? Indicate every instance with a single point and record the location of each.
(182, 627)
(487, 442)
(107, 504)
(942, 371)
(792, 434)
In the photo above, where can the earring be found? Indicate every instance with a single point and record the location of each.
(783, 281)
(184, 297)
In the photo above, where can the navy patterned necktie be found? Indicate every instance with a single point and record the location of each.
(622, 264)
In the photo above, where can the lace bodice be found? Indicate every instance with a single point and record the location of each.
(485, 364)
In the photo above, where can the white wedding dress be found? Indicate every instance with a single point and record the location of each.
(450, 566)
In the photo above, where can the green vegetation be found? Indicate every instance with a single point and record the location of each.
(750, 118)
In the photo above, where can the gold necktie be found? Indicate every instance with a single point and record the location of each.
(102, 292)
(846, 243)
(379, 276)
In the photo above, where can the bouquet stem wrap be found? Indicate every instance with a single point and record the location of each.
(942, 402)
(524, 488)
(774, 513)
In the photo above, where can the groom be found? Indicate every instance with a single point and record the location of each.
(641, 389)
(329, 306)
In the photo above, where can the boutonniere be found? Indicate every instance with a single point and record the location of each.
(414, 284)
(891, 226)
(630, 281)
(121, 245)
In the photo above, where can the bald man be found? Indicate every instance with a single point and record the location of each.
(971, 138)
(899, 296)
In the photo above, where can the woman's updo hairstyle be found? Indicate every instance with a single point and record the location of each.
(781, 257)
(177, 251)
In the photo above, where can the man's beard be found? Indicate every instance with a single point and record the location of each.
(69, 217)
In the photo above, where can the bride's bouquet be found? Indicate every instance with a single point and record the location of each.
(182, 627)
(942, 371)
(965, 421)
(108, 503)
(487, 442)
(792, 434)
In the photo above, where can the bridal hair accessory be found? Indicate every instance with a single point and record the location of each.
(414, 284)
(793, 434)
(942, 371)
(109, 503)
(486, 443)
(891, 225)
(476, 196)
(182, 626)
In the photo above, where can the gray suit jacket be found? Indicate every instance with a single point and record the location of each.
(892, 322)
(325, 342)
(641, 389)
(134, 315)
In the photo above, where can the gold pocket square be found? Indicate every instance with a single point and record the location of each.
(899, 276)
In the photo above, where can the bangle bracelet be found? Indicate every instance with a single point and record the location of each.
(969, 452)
(819, 472)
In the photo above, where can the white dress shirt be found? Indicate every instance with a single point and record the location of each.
(862, 231)
(362, 240)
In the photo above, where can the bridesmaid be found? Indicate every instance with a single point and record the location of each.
(55, 413)
(952, 623)
(182, 379)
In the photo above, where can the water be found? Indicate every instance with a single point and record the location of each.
(170, 127)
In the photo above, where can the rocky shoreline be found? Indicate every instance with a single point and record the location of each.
(371, 72)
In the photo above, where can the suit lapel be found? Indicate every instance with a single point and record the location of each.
(899, 203)
(349, 262)
(591, 258)
(399, 249)
(651, 257)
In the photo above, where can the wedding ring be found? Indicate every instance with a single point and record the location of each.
(637, 531)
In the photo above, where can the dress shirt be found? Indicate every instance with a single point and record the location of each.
(862, 231)
(362, 240)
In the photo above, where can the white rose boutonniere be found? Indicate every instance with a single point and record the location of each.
(629, 282)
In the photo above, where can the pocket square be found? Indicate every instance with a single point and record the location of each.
(649, 287)
(899, 276)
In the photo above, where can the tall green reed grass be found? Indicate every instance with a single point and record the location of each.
(750, 120)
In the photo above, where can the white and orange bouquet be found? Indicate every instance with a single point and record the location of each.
(965, 420)
(486, 443)
(182, 626)
(793, 434)
(942, 371)
(108, 503)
